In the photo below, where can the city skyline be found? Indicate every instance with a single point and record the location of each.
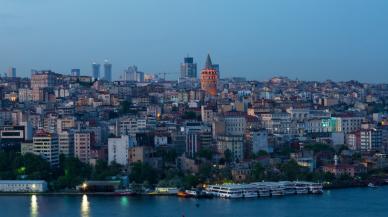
(328, 40)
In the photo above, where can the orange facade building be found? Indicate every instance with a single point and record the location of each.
(209, 78)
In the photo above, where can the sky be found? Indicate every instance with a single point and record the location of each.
(258, 39)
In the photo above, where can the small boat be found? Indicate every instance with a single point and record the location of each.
(164, 191)
(182, 194)
(192, 193)
(371, 185)
(124, 192)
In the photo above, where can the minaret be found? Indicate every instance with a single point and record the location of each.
(209, 78)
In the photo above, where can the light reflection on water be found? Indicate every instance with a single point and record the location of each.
(34, 206)
(85, 206)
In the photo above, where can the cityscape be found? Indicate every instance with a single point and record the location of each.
(197, 130)
(202, 134)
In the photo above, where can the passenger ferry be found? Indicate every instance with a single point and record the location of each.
(302, 187)
(232, 191)
(262, 190)
(289, 187)
(316, 188)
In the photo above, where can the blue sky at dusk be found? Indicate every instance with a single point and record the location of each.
(305, 39)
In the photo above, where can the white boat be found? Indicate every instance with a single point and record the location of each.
(316, 188)
(249, 192)
(301, 187)
(371, 185)
(192, 193)
(289, 187)
(263, 191)
(232, 191)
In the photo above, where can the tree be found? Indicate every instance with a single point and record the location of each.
(290, 170)
(189, 115)
(205, 153)
(102, 170)
(190, 181)
(258, 172)
(142, 172)
(319, 147)
(125, 106)
(228, 156)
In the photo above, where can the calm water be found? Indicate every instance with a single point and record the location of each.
(349, 202)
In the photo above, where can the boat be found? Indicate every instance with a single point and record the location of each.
(124, 192)
(301, 187)
(371, 185)
(289, 187)
(232, 191)
(249, 191)
(164, 191)
(262, 189)
(316, 188)
(183, 194)
(275, 188)
(192, 193)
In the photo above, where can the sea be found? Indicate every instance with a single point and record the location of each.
(352, 202)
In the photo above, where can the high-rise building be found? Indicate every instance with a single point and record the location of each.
(75, 72)
(189, 68)
(11, 72)
(46, 145)
(43, 79)
(66, 143)
(41, 83)
(133, 74)
(107, 71)
(96, 71)
(209, 78)
(118, 149)
(82, 140)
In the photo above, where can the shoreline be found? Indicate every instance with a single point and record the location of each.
(114, 194)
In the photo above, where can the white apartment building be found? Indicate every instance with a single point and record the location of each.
(118, 149)
(235, 123)
(348, 124)
(46, 145)
(235, 144)
(130, 126)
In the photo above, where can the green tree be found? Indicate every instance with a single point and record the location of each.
(291, 170)
(258, 172)
(228, 156)
(142, 172)
(205, 153)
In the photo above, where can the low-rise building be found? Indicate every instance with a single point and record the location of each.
(29, 186)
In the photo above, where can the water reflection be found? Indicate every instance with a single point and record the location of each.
(34, 206)
(124, 201)
(85, 206)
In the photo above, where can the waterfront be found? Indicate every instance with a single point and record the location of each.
(357, 202)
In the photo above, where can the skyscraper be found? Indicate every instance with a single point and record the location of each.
(107, 71)
(96, 71)
(75, 72)
(209, 78)
(11, 72)
(133, 74)
(188, 68)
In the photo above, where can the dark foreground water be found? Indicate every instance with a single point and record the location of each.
(358, 202)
